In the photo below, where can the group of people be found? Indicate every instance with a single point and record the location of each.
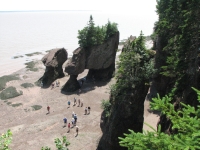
(73, 122)
(74, 116)
(87, 110)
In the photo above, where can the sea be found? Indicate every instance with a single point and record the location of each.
(27, 32)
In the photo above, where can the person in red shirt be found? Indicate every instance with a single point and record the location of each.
(68, 127)
(48, 109)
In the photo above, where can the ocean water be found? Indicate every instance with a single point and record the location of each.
(27, 32)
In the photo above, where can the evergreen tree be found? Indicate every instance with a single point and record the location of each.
(91, 32)
(186, 121)
(91, 35)
(111, 28)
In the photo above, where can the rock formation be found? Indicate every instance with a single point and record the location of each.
(53, 62)
(127, 113)
(127, 106)
(100, 60)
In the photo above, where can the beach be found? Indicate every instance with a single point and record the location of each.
(33, 129)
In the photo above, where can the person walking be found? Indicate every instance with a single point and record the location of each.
(79, 102)
(52, 85)
(77, 129)
(48, 109)
(86, 110)
(74, 101)
(68, 127)
(65, 121)
(89, 109)
(73, 122)
(57, 83)
(75, 118)
(69, 103)
(73, 114)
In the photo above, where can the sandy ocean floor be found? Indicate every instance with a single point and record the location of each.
(33, 129)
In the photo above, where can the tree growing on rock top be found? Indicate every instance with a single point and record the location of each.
(95, 35)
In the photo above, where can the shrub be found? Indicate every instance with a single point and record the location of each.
(5, 140)
(106, 105)
(61, 144)
(5, 79)
(27, 85)
(10, 92)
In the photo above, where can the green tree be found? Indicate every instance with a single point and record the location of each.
(91, 32)
(5, 140)
(186, 121)
(177, 26)
(135, 66)
(111, 29)
(82, 37)
(94, 35)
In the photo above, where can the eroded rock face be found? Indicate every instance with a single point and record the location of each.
(126, 113)
(53, 62)
(100, 60)
(76, 64)
(72, 84)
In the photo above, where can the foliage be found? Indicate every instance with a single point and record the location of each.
(46, 148)
(27, 85)
(61, 144)
(5, 140)
(94, 35)
(135, 66)
(186, 121)
(10, 92)
(178, 29)
(106, 105)
(5, 79)
(111, 29)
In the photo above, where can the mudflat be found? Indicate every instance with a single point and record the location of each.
(33, 129)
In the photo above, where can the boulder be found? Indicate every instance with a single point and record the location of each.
(53, 62)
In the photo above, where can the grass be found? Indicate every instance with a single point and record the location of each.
(5, 79)
(27, 85)
(31, 66)
(16, 105)
(10, 92)
(31, 54)
(36, 107)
